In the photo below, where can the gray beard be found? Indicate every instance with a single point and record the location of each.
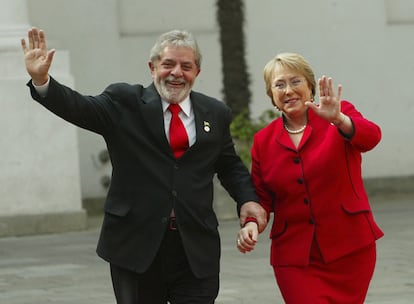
(172, 95)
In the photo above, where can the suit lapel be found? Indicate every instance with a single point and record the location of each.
(284, 139)
(201, 118)
(153, 115)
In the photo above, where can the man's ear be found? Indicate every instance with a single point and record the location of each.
(152, 68)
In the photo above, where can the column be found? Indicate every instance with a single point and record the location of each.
(39, 175)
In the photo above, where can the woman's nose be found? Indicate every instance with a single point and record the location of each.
(288, 88)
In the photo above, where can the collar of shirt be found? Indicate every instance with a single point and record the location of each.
(185, 106)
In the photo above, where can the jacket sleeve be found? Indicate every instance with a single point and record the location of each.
(231, 171)
(366, 134)
(94, 113)
(265, 197)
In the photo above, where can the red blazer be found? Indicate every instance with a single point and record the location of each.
(315, 190)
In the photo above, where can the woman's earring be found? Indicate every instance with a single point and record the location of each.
(274, 104)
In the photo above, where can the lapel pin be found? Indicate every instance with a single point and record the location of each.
(206, 126)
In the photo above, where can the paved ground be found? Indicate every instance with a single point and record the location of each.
(64, 269)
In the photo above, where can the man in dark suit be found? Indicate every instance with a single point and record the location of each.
(159, 232)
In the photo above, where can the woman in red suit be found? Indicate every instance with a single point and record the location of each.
(306, 166)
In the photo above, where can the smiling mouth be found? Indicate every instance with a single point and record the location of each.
(175, 84)
(290, 101)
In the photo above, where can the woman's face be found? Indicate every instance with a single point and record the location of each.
(290, 90)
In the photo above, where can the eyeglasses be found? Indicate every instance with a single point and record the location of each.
(282, 85)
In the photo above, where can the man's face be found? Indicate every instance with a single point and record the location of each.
(175, 73)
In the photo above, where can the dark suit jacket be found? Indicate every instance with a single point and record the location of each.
(147, 181)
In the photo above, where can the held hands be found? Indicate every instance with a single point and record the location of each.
(247, 237)
(253, 210)
(37, 58)
(329, 106)
(253, 220)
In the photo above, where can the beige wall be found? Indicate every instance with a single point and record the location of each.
(361, 44)
(353, 42)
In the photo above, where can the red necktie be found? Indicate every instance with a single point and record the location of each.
(178, 134)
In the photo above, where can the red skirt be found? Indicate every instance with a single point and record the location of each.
(345, 280)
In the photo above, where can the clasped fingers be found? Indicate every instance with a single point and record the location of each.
(247, 237)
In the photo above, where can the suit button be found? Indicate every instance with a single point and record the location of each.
(174, 193)
(176, 167)
(311, 221)
(306, 201)
(296, 160)
(300, 181)
(164, 220)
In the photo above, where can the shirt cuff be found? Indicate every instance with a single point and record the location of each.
(42, 89)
